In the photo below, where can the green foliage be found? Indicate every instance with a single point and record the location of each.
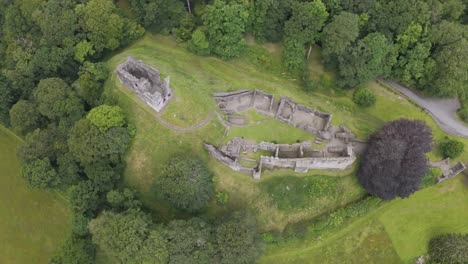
(414, 64)
(225, 25)
(450, 248)
(187, 25)
(299, 192)
(326, 224)
(392, 18)
(159, 15)
(75, 250)
(186, 183)
(85, 198)
(452, 148)
(80, 224)
(463, 113)
(56, 100)
(268, 18)
(430, 178)
(40, 173)
(88, 144)
(190, 241)
(364, 97)
(24, 117)
(338, 35)
(128, 237)
(222, 198)
(237, 240)
(302, 28)
(104, 26)
(103, 174)
(198, 43)
(122, 200)
(364, 61)
(90, 81)
(6, 100)
(106, 116)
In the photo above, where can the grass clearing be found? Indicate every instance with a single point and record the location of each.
(405, 225)
(311, 193)
(194, 80)
(34, 222)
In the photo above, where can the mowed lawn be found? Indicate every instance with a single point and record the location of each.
(194, 80)
(397, 232)
(33, 222)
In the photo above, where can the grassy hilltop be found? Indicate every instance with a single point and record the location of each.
(194, 80)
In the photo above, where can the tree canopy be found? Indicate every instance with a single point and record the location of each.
(186, 183)
(395, 162)
(225, 24)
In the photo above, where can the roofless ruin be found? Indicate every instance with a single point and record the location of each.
(146, 82)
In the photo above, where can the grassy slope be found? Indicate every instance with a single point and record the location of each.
(194, 79)
(403, 224)
(33, 222)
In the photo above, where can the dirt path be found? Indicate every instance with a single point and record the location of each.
(185, 129)
(443, 111)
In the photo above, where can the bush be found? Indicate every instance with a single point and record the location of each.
(463, 113)
(452, 148)
(450, 248)
(198, 44)
(363, 97)
(222, 198)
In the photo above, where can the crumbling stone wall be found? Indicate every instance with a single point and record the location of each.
(452, 172)
(146, 82)
(285, 110)
(298, 156)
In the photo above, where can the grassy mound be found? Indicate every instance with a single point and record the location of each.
(194, 80)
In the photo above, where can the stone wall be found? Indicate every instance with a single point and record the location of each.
(146, 82)
(285, 110)
(299, 159)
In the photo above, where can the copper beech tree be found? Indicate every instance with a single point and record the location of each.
(395, 160)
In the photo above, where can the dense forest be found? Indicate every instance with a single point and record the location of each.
(51, 82)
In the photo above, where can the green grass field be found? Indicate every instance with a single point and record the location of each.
(33, 222)
(194, 80)
(397, 232)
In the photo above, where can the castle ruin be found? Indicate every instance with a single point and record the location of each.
(284, 110)
(250, 157)
(146, 82)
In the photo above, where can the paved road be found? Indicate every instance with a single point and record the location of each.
(443, 111)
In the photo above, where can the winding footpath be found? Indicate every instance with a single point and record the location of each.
(185, 129)
(443, 111)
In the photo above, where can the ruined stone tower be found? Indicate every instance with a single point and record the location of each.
(146, 82)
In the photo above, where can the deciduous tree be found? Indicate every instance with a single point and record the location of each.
(225, 26)
(186, 183)
(395, 160)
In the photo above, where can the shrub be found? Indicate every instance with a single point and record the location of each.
(198, 44)
(463, 113)
(450, 248)
(222, 198)
(363, 97)
(452, 148)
